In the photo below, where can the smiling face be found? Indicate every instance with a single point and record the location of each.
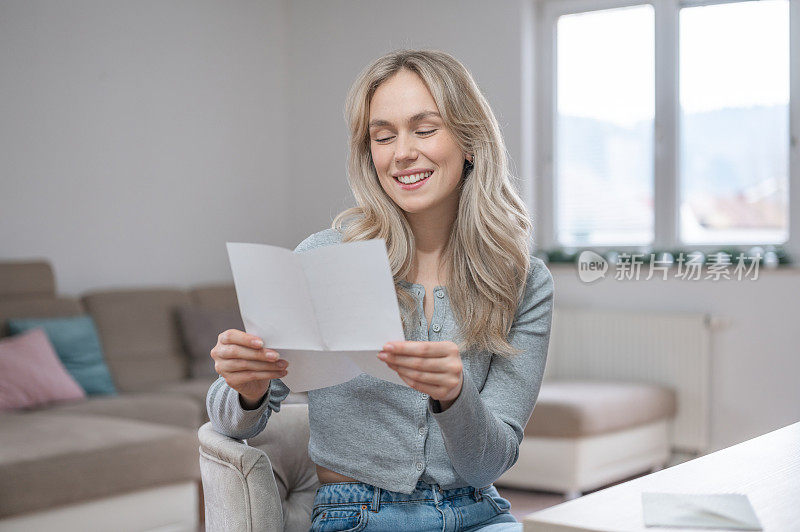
(408, 141)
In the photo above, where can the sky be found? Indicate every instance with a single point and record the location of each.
(731, 55)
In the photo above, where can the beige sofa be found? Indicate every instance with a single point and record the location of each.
(128, 462)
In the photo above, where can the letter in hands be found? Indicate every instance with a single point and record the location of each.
(246, 365)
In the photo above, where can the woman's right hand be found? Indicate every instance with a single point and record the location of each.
(246, 366)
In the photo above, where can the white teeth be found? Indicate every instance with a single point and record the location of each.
(408, 179)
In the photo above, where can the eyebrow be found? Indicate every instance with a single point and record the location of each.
(416, 118)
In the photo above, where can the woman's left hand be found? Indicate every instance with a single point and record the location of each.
(433, 368)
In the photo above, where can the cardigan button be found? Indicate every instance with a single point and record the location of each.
(437, 327)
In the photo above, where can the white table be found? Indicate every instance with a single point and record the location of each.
(766, 469)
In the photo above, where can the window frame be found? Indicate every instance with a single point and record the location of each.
(540, 110)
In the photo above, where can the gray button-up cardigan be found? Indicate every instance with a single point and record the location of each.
(391, 436)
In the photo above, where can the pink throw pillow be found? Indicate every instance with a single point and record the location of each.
(31, 373)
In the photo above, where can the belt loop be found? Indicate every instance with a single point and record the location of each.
(376, 499)
(476, 492)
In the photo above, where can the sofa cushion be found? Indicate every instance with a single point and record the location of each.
(194, 389)
(153, 407)
(75, 340)
(200, 328)
(37, 307)
(140, 336)
(219, 296)
(578, 408)
(31, 373)
(48, 460)
(197, 389)
(26, 279)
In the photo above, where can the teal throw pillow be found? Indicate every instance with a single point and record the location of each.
(77, 345)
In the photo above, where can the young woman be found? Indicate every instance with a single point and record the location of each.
(428, 169)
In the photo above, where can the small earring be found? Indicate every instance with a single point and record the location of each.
(468, 167)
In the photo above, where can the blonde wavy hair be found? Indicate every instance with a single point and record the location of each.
(487, 256)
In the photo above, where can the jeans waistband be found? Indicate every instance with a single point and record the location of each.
(360, 492)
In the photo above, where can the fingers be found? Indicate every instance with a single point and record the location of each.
(434, 368)
(242, 371)
(239, 361)
(420, 386)
(443, 380)
(233, 343)
(245, 377)
(245, 364)
(433, 391)
(434, 365)
(247, 353)
(238, 364)
(422, 349)
(235, 336)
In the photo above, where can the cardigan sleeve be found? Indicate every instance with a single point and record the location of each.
(229, 417)
(482, 428)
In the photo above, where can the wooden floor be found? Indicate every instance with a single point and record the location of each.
(524, 502)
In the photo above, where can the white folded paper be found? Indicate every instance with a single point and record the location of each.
(687, 510)
(327, 311)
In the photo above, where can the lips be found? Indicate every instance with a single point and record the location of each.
(413, 178)
(411, 171)
(415, 185)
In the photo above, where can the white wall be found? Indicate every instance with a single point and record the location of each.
(138, 137)
(144, 135)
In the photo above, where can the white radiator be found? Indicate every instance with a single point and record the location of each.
(672, 349)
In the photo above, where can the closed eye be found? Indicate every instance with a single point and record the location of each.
(425, 133)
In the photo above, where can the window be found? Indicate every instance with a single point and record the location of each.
(604, 127)
(734, 123)
(665, 124)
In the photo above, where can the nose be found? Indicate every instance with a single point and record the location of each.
(405, 148)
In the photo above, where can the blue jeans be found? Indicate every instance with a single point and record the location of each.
(358, 506)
